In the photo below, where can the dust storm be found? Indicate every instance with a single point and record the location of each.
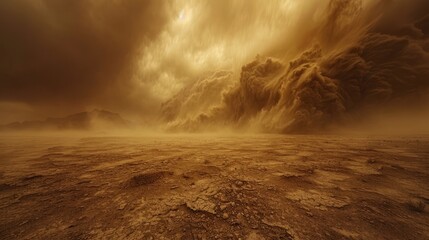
(228, 119)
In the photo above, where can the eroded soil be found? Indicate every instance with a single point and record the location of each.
(194, 187)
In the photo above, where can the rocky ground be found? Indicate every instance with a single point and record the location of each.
(211, 187)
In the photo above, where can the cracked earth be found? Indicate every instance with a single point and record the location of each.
(211, 187)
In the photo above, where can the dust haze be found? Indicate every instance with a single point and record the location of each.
(226, 119)
(277, 67)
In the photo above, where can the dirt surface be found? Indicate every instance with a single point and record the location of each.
(194, 187)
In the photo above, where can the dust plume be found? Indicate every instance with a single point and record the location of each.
(363, 58)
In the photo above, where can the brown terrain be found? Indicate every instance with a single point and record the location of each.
(213, 187)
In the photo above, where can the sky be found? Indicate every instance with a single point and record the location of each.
(275, 66)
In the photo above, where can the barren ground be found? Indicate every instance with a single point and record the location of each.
(202, 187)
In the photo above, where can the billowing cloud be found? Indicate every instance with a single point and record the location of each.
(343, 77)
(209, 36)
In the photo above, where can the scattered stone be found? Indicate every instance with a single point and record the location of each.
(201, 204)
(223, 198)
(241, 219)
(122, 206)
(225, 216)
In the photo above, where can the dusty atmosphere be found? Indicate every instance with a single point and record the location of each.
(226, 119)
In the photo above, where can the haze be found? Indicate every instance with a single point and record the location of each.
(282, 66)
(214, 119)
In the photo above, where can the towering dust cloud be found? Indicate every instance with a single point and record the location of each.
(282, 66)
(360, 58)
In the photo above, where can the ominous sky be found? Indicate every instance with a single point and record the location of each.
(63, 56)
(193, 62)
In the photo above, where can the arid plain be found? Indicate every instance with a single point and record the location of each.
(214, 187)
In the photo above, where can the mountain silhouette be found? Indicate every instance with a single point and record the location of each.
(78, 121)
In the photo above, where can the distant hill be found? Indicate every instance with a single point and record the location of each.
(78, 121)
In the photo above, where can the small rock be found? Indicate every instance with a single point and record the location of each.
(222, 207)
(223, 198)
(225, 216)
(254, 236)
(241, 219)
(122, 206)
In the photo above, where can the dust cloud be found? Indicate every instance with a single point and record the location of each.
(277, 66)
(214, 119)
(365, 60)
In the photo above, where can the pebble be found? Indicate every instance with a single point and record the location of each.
(122, 206)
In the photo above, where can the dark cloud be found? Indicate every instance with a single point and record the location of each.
(67, 54)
